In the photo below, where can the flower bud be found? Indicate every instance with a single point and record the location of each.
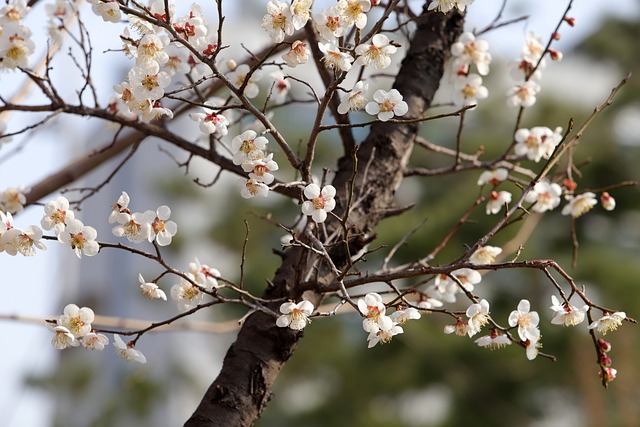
(556, 55)
(555, 36)
(231, 65)
(571, 21)
(603, 345)
(608, 202)
(604, 360)
(609, 374)
(569, 184)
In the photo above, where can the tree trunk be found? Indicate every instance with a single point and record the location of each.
(243, 387)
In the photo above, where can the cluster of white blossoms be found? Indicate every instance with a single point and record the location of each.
(468, 51)
(537, 143)
(190, 290)
(15, 38)
(15, 240)
(250, 154)
(73, 328)
(445, 6)
(13, 199)
(382, 328)
(138, 227)
(58, 13)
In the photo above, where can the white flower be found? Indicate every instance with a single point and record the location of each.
(428, 303)
(445, 6)
(523, 95)
(15, 50)
(238, 77)
(298, 54)
(580, 204)
(387, 104)
(445, 288)
(532, 346)
(334, 59)
(377, 53)
(77, 320)
(329, 24)
(537, 143)
(162, 229)
(295, 316)
(384, 334)
(121, 206)
(56, 215)
(211, 122)
(567, 314)
(63, 338)
(135, 227)
(12, 200)
(373, 309)
(204, 275)
(497, 200)
(80, 237)
(251, 188)
(400, 317)
(485, 255)
(608, 322)
(460, 328)
(260, 170)
(108, 10)
(607, 201)
(354, 100)
(467, 50)
(151, 50)
(478, 315)
(494, 177)
(279, 88)
(148, 83)
(94, 341)
(320, 202)
(150, 289)
(127, 351)
(545, 196)
(353, 12)
(468, 90)
(25, 242)
(533, 48)
(526, 320)
(187, 295)
(245, 144)
(300, 12)
(493, 340)
(277, 21)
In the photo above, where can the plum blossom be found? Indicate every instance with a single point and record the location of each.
(383, 334)
(204, 275)
(121, 206)
(251, 188)
(295, 316)
(320, 201)
(108, 10)
(13, 199)
(545, 196)
(580, 204)
(329, 24)
(355, 99)
(298, 54)
(478, 315)
(445, 6)
(260, 169)
(494, 340)
(353, 12)
(62, 339)
(277, 22)
(485, 255)
(536, 143)
(527, 321)
(373, 310)
(400, 317)
(77, 320)
(300, 12)
(609, 374)
(377, 53)
(334, 59)
(148, 83)
(238, 77)
(211, 121)
(467, 50)
(497, 200)
(460, 328)
(94, 341)
(186, 294)
(245, 144)
(608, 322)
(56, 215)
(81, 238)
(280, 87)
(494, 177)
(162, 230)
(532, 346)
(468, 90)
(135, 227)
(386, 105)
(566, 314)
(445, 287)
(127, 351)
(151, 289)
(523, 95)
(26, 242)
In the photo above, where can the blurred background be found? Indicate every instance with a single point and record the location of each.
(424, 378)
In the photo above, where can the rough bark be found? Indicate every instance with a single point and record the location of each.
(243, 388)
